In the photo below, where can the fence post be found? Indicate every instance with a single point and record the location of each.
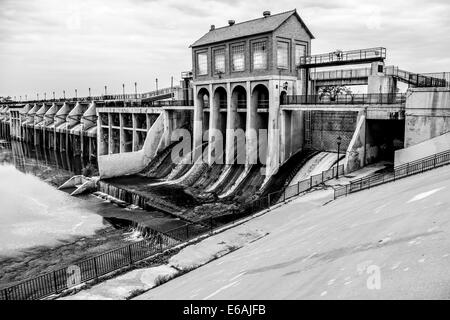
(434, 161)
(95, 268)
(310, 182)
(55, 282)
(211, 224)
(129, 254)
(6, 294)
(322, 176)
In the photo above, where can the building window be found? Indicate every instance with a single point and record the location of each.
(202, 63)
(300, 51)
(219, 61)
(259, 55)
(237, 58)
(283, 55)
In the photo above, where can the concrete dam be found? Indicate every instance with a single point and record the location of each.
(253, 117)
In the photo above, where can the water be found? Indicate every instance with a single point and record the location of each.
(33, 213)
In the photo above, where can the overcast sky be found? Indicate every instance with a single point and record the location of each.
(56, 45)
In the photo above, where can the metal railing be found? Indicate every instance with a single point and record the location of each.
(439, 75)
(61, 279)
(263, 103)
(371, 98)
(336, 57)
(399, 172)
(418, 80)
(340, 74)
(127, 96)
(171, 103)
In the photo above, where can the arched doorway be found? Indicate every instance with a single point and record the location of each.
(238, 122)
(203, 103)
(258, 123)
(283, 97)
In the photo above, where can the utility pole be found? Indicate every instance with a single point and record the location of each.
(64, 94)
(76, 95)
(156, 85)
(135, 90)
(339, 139)
(105, 90)
(123, 90)
(54, 96)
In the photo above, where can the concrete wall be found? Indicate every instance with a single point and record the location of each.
(427, 114)
(424, 149)
(355, 154)
(119, 164)
(326, 126)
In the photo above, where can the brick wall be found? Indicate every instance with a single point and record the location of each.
(327, 126)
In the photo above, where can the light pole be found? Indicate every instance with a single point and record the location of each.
(54, 96)
(76, 95)
(89, 93)
(123, 91)
(156, 85)
(105, 90)
(135, 90)
(339, 140)
(64, 94)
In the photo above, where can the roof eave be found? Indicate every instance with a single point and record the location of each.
(213, 42)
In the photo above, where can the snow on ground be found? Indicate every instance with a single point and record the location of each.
(188, 258)
(375, 244)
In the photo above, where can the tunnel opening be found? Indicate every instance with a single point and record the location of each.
(115, 141)
(127, 140)
(383, 137)
(218, 123)
(259, 121)
(238, 124)
(203, 101)
(141, 121)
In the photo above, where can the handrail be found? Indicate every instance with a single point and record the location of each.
(344, 56)
(127, 96)
(340, 74)
(350, 99)
(401, 171)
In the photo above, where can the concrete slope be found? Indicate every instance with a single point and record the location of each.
(316, 165)
(422, 150)
(392, 241)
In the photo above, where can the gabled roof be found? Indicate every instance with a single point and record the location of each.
(247, 28)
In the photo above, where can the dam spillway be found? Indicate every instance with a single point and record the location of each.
(249, 119)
